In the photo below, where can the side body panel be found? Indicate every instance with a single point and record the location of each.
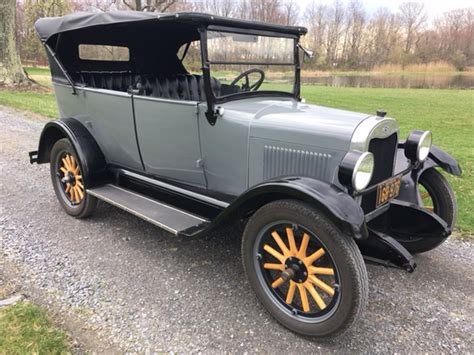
(225, 149)
(108, 115)
(168, 137)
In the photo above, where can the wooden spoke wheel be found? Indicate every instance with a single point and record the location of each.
(70, 175)
(298, 270)
(307, 273)
(68, 180)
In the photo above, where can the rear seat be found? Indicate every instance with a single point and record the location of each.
(179, 87)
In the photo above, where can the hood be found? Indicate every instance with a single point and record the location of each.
(299, 123)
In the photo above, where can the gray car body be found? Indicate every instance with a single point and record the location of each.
(254, 139)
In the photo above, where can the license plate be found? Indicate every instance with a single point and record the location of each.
(388, 190)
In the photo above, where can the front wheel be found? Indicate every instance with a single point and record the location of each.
(306, 272)
(68, 182)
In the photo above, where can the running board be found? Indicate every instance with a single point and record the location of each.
(171, 219)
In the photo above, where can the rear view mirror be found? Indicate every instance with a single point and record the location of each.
(307, 54)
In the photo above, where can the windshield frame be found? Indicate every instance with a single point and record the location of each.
(206, 64)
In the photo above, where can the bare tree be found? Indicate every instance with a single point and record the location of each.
(220, 7)
(11, 71)
(383, 37)
(290, 11)
(354, 33)
(316, 17)
(413, 16)
(261, 10)
(149, 5)
(336, 16)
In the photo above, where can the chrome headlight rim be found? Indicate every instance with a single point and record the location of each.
(422, 155)
(418, 145)
(350, 170)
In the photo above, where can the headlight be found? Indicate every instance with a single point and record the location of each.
(418, 145)
(356, 169)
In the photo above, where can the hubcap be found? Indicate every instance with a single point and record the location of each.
(297, 270)
(71, 179)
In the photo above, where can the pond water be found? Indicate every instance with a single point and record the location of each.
(414, 81)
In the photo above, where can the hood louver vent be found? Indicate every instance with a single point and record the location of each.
(280, 161)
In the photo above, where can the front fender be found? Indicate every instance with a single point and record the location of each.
(436, 158)
(92, 160)
(340, 207)
(445, 161)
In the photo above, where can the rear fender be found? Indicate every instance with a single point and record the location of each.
(91, 157)
(341, 208)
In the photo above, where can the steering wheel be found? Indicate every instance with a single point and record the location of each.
(246, 85)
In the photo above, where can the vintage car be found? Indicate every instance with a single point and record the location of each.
(192, 121)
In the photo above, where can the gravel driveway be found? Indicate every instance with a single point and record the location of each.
(135, 287)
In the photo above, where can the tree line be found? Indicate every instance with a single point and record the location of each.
(343, 36)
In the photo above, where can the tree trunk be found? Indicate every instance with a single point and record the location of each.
(11, 71)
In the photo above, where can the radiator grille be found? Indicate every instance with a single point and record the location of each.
(280, 161)
(384, 150)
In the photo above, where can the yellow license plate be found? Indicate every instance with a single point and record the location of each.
(388, 190)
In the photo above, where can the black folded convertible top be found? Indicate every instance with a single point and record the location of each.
(49, 26)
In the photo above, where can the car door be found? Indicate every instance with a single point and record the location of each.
(168, 137)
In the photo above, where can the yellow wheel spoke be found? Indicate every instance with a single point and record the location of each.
(76, 195)
(281, 244)
(78, 183)
(78, 177)
(77, 171)
(322, 285)
(79, 192)
(68, 187)
(315, 256)
(303, 246)
(304, 297)
(274, 253)
(317, 298)
(65, 163)
(63, 169)
(73, 162)
(278, 282)
(291, 293)
(321, 270)
(72, 194)
(69, 162)
(270, 266)
(291, 240)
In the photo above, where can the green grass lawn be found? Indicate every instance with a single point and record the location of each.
(43, 103)
(25, 329)
(449, 114)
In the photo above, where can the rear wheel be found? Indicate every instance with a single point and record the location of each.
(308, 274)
(437, 196)
(68, 182)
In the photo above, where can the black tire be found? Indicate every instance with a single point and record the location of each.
(444, 205)
(88, 203)
(352, 292)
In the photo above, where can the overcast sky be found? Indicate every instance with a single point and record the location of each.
(434, 7)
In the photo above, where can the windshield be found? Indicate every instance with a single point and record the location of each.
(247, 63)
